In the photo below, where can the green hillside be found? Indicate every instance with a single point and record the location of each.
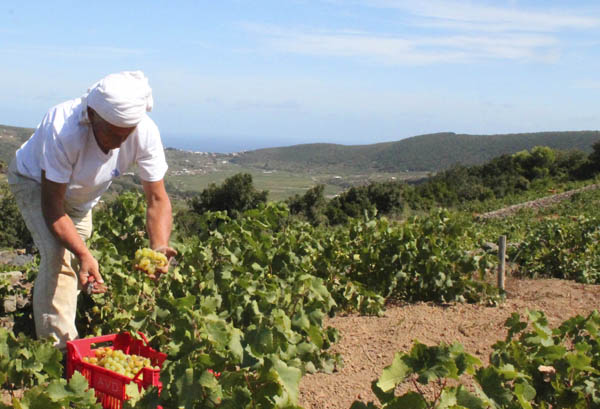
(11, 138)
(432, 152)
(423, 153)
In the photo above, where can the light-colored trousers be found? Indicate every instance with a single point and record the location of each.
(56, 286)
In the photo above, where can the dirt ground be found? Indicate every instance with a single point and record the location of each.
(368, 344)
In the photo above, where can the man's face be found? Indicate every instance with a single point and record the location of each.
(108, 136)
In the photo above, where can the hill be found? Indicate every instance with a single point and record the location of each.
(432, 152)
(423, 153)
(11, 138)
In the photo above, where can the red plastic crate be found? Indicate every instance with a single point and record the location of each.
(108, 385)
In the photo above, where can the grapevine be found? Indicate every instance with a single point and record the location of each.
(248, 296)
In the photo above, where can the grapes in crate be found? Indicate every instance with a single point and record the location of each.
(118, 361)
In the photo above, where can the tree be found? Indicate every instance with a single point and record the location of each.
(352, 203)
(594, 158)
(13, 231)
(311, 205)
(235, 195)
(387, 196)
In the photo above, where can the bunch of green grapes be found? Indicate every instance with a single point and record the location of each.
(149, 260)
(119, 362)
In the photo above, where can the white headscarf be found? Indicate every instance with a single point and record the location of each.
(122, 98)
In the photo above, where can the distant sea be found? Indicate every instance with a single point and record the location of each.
(222, 144)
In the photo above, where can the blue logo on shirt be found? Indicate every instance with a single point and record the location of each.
(115, 173)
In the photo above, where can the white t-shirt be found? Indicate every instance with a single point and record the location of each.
(64, 146)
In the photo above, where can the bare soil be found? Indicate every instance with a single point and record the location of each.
(368, 344)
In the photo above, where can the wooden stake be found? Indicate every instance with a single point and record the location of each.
(502, 261)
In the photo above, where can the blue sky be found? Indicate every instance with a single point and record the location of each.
(230, 75)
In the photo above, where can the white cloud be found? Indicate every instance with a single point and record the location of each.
(465, 15)
(587, 84)
(464, 32)
(404, 50)
(501, 46)
(76, 51)
(254, 104)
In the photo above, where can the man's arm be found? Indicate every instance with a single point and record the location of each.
(159, 218)
(61, 225)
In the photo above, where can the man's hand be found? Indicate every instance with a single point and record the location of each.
(170, 253)
(89, 275)
(61, 225)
